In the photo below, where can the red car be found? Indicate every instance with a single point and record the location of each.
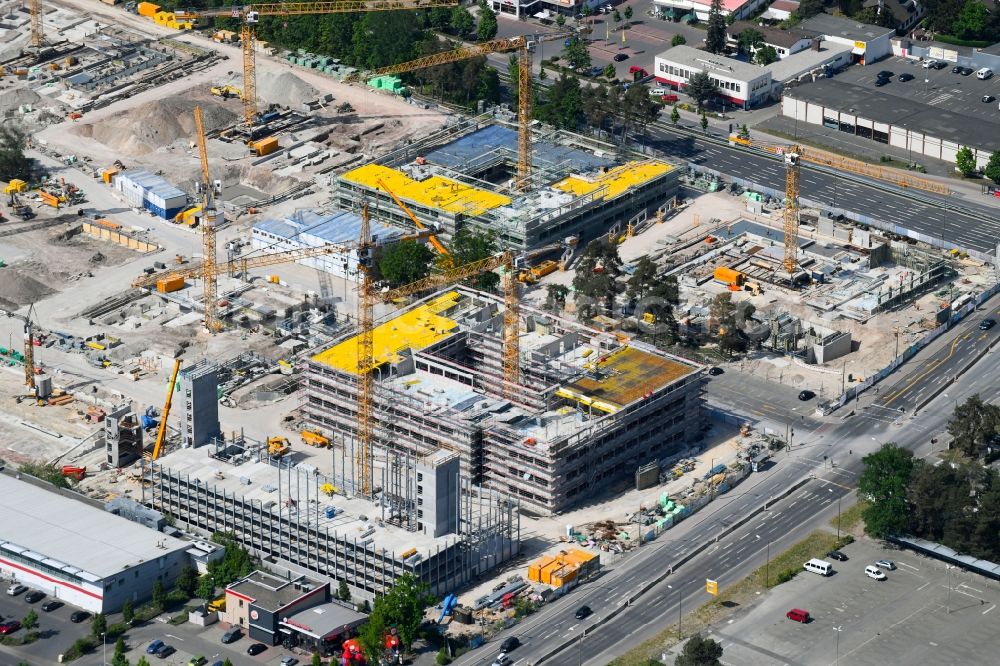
(670, 99)
(9, 627)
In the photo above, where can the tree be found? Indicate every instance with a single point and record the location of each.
(609, 71)
(722, 313)
(13, 162)
(564, 105)
(974, 425)
(883, 484)
(560, 20)
(120, 646)
(675, 115)
(187, 580)
(206, 588)
(701, 88)
(699, 651)
(469, 245)
(487, 29)
(462, 22)
(993, 167)
(715, 37)
(808, 9)
(30, 620)
(401, 608)
(971, 21)
(159, 594)
(704, 122)
(596, 274)
(616, 17)
(227, 662)
(128, 611)
(642, 280)
(765, 55)
(405, 262)
(440, 18)
(628, 13)
(555, 297)
(316, 659)
(749, 41)
(119, 660)
(677, 40)
(744, 132)
(98, 625)
(145, 662)
(636, 110)
(576, 54)
(965, 161)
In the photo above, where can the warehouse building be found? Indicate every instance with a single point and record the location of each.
(590, 410)
(306, 229)
(869, 43)
(918, 128)
(142, 189)
(579, 188)
(739, 83)
(78, 553)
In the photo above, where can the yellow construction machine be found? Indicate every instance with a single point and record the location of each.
(315, 439)
(225, 92)
(278, 446)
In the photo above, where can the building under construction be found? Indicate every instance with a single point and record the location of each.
(464, 177)
(590, 410)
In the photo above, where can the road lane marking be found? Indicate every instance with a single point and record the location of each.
(908, 566)
(923, 586)
(932, 366)
(989, 609)
(970, 588)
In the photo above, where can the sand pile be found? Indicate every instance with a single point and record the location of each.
(17, 288)
(285, 88)
(158, 123)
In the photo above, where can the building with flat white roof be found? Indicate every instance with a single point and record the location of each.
(738, 9)
(869, 43)
(739, 83)
(78, 553)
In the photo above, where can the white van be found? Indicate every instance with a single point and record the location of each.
(820, 567)
(984, 73)
(874, 572)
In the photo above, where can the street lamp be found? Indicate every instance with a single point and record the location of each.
(104, 640)
(767, 564)
(838, 630)
(949, 567)
(680, 602)
(838, 514)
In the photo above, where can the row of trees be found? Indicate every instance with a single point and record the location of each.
(965, 162)
(964, 19)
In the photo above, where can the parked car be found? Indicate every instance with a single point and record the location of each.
(966, 71)
(198, 661)
(619, 57)
(670, 98)
(929, 63)
(988, 98)
(255, 649)
(51, 605)
(582, 612)
(874, 573)
(79, 616)
(837, 555)
(165, 651)
(502, 660)
(510, 643)
(34, 596)
(940, 64)
(904, 77)
(957, 69)
(218, 662)
(806, 395)
(798, 615)
(886, 564)
(16, 589)
(9, 627)
(986, 324)
(657, 92)
(886, 74)
(881, 82)
(232, 635)
(715, 372)
(289, 660)
(154, 647)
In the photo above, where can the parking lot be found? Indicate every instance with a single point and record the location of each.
(943, 89)
(923, 613)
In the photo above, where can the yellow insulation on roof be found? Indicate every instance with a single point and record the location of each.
(617, 180)
(435, 192)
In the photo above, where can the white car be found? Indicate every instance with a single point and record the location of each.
(16, 589)
(502, 660)
(886, 564)
(657, 92)
(929, 63)
(874, 573)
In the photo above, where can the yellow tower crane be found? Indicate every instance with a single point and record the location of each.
(523, 46)
(249, 17)
(366, 318)
(37, 36)
(161, 432)
(209, 216)
(441, 249)
(791, 213)
(29, 346)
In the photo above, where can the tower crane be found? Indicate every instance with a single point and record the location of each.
(791, 212)
(161, 432)
(29, 346)
(37, 36)
(366, 307)
(523, 46)
(209, 215)
(249, 17)
(441, 249)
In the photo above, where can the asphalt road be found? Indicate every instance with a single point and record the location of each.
(978, 231)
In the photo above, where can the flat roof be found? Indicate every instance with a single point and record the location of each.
(415, 328)
(616, 181)
(711, 63)
(273, 592)
(75, 534)
(336, 226)
(835, 26)
(771, 34)
(805, 61)
(435, 191)
(873, 104)
(324, 620)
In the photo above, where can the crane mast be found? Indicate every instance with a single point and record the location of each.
(37, 35)
(791, 214)
(208, 219)
(366, 361)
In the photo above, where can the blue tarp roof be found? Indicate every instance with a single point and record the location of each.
(465, 153)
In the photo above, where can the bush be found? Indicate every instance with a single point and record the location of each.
(786, 576)
(180, 618)
(442, 658)
(29, 638)
(81, 647)
(116, 630)
(845, 540)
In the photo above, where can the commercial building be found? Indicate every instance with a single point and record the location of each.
(590, 408)
(869, 43)
(900, 121)
(464, 178)
(294, 611)
(739, 83)
(305, 229)
(784, 42)
(77, 553)
(738, 9)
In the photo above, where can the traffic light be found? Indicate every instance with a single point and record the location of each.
(712, 586)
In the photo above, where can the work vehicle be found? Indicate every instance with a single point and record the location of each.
(154, 647)
(582, 612)
(33, 596)
(837, 555)
(874, 572)
(255, 649)
(886, 564)
(16, 589)
(798, 615)
(232, 636)
(510, 643)
(278, 447)
(821, 567)
(51, 605)
(217, 604)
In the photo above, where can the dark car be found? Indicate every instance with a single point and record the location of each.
(715, 372)
(79, 616)
(595, 71)
(940, 64)
(256, 649)
(988, 98)
(966, 71)
(837, 555)
(620, 56)
(905, 76)
(232, 635)
(165, 651)
(33, 596)
(881, 82)
(986, 324)
(957, 69)
(582, 612)
(806, 395)
(9, 627)
(51, 605)
(154, 647)
(509, 643)
(886, 74)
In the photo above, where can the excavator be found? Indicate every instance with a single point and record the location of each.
(227, 91)
(278, 447)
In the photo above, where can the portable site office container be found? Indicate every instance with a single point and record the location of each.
(166, 197)
(820, 567)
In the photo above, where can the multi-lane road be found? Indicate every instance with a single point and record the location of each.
(830, 450)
